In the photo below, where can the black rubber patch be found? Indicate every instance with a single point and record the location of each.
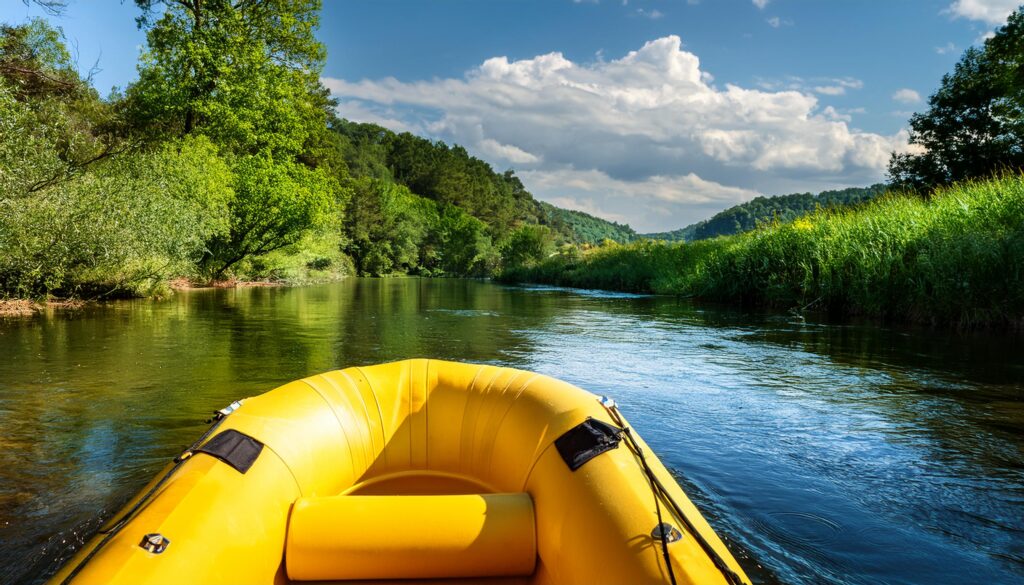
(234, 448)
(587, 440)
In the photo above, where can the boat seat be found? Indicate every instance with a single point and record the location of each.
(367, 537)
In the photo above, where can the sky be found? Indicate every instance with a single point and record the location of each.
(657, 113)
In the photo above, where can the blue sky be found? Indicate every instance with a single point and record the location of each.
(654, 112)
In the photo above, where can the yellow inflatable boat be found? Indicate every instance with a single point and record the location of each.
(410, 472)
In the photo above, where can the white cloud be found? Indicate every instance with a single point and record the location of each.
(776, 22)
(830, 89)
(906, 96)
(494, 149)
(984, 37)
(648, 136)
(651, 14)
(945, 49)
(760, 3)
(991, 12)
(838, 86)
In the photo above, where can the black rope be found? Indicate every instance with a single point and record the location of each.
(657, 506)
(661, 492)
(113, 530)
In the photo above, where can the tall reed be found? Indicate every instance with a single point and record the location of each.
(956, 258)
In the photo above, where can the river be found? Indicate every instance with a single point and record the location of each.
(822, 453)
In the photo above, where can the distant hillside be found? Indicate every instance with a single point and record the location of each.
(746, 216)
(445, 174)
(685, 234)
(585, 228)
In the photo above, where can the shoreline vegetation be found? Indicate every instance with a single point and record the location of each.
(196, 175)
(955, 258)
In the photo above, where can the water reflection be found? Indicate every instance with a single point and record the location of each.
(830, 454)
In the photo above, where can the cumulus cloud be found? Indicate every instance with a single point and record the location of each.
(760, 3)
(988, 11)
(648, 136)
(906, 96)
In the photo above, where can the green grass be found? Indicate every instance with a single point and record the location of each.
(956, 259)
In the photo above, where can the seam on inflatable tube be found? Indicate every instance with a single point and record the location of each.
(366, 415)
(533, 466)
(488, 408)
(341, 427)
(464, 464)
(352, 399)
(508, 409)
(284, 462)
(426, 413)
(380, 413)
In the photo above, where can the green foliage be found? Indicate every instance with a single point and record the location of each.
(957, 259)
(390, 230)
(747, 216)
(974, 126)
(527, 246)
(583, 228)
(123, 227)
(275, 205)
(244, 73)
(53, 125)
(631, 268)
(315, 258)
(444, 174)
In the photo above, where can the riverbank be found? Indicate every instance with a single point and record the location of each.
(954, 260)
(29, 307)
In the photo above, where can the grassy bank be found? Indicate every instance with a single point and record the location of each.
(956, 259)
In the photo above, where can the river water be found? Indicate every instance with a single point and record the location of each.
(822, 453)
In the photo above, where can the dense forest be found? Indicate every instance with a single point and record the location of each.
(583, 228)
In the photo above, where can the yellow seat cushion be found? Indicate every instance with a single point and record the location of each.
(400, 537)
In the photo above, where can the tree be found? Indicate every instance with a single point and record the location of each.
(275, 204)
(973, 127)
(527, 245)
(244, 72)
(52, 124)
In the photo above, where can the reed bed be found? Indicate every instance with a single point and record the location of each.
(955, 258)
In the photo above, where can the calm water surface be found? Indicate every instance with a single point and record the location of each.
(824, 454)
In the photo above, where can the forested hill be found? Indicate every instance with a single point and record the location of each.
(444, 174)
(449, 175)
(746, 216)
(585, 228)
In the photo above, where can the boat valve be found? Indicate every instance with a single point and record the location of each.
(155, 543)
(666, 532)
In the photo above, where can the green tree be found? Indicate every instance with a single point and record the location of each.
(127, 224)
(973, 127)
(246, 75)
(52, 124)
(527, 245)
(244, 72)
(275, 204)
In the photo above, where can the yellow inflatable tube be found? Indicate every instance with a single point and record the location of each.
(420, 469)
